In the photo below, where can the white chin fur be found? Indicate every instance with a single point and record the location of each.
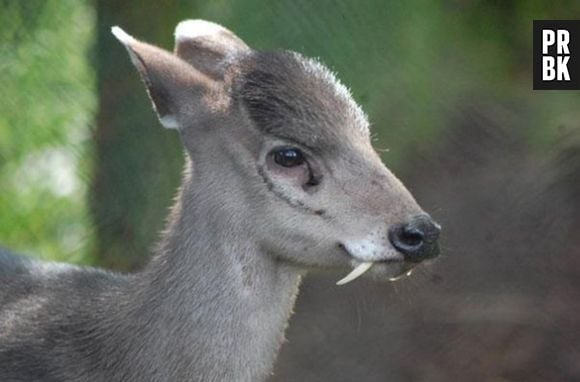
(358, 271)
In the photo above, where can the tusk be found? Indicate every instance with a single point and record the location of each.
(355, 273)
(401, 276)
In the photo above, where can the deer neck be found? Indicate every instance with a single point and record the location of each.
(213, 295)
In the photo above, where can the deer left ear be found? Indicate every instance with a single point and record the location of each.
(176, 89)
(206, 46)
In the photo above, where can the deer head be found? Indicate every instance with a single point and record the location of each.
(281, 149)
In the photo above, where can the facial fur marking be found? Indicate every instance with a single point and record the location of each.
(292, 202)
(281, 90)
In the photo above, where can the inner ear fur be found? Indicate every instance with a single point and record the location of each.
(176, 89)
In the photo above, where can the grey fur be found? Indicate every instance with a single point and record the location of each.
(213, 302)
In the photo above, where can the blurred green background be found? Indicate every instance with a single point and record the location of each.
(87, 173)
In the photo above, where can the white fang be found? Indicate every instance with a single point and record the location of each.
(355, 273)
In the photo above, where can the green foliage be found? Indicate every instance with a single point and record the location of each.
(46, 106)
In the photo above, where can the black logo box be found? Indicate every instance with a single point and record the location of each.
(573, 27)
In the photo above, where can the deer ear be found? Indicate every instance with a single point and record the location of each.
(172, 84)
(206, 46)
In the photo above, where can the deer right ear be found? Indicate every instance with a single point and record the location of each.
(172, 84)
(206, 46)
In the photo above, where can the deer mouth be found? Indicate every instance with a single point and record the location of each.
(391, 270)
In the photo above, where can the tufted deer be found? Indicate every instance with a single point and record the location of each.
(280, 177)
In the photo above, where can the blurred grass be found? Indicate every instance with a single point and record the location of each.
(47, 101)
(410, 64)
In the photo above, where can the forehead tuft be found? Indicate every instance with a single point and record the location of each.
(295, 97)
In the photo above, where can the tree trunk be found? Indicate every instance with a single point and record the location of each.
(137, 162)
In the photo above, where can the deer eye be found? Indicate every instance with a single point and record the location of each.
(288, 157)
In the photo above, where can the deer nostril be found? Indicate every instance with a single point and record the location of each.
(411, 237)
(416, 240)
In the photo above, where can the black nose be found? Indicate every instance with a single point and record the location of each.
(416, 240)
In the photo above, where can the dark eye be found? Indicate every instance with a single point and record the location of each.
(288, 157)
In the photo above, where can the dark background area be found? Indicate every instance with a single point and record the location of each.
(87, 173)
